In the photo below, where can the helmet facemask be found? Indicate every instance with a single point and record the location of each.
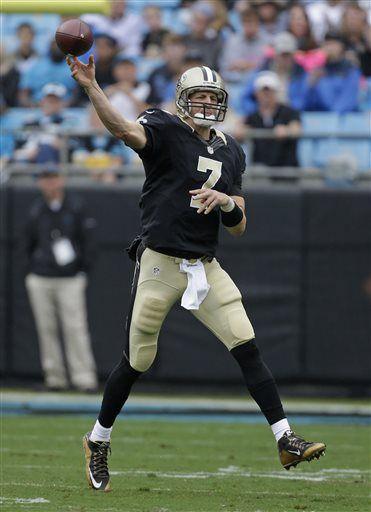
(201, 118)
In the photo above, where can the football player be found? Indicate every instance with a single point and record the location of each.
(193, 182)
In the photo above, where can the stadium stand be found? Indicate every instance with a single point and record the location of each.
(325, 136)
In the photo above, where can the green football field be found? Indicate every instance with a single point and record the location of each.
(177, 466)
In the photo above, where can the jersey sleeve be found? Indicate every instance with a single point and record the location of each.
(156, 124)
(240, 169)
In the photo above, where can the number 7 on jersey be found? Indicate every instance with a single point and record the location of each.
(207, 164)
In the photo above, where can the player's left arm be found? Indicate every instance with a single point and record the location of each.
(232, 208)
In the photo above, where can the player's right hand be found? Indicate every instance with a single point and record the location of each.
(84, 74)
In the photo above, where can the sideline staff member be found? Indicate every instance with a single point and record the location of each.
(58, 243)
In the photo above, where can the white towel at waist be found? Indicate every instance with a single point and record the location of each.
(198, 286)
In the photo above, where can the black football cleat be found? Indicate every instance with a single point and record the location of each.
(96, 454)
(294, 449)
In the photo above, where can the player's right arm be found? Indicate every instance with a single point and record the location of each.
(132, 133)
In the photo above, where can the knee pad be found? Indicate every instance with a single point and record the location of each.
(143, 350)
(144, 330)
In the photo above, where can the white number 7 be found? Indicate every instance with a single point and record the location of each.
(207, 164)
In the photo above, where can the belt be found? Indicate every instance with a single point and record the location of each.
(191, 257)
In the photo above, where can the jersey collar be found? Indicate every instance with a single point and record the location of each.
(216, 141)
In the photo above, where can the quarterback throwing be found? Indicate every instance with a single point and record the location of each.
(193, 183)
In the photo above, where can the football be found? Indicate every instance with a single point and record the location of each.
(74, 37)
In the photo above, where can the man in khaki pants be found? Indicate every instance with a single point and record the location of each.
(58, 245)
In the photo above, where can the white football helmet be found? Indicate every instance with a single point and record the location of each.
(196, 79)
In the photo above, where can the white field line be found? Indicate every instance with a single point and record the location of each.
(34, 484)
(24, 500)
(233, 471)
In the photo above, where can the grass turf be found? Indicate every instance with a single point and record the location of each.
(163, 466)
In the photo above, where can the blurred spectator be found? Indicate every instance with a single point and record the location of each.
(25, 53)
(126, 27)
(202, 37)
(192, 59)
(220, 21)
(100, 153)
(244, 50)
(9, 79)
(272, 115)
(308, 55)
(325, 16)
(42, 147)
(58, 248)
(127, 95)
(298, 25)
(357, 36)
(162, 79)
(292, 76)
(51, 68)
(271, 15)
(155, 31)
(335, 86)
(105, 52)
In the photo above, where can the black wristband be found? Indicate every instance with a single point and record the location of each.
(232, 218)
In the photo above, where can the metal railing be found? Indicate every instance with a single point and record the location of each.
(341, 170)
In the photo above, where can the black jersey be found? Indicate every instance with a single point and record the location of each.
(176, 160)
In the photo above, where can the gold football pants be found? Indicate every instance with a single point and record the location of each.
(160, 284)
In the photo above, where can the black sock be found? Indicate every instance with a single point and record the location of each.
(259, 381)
(116, 392)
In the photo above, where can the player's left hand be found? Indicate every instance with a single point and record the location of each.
(209, 198)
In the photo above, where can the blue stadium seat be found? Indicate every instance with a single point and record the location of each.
(320, 122)
(16, 117)
(76, 118)
(305, 153)
(323, 150)
(358, 123)
(327, 148)
(316, 152)
(359, 149)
